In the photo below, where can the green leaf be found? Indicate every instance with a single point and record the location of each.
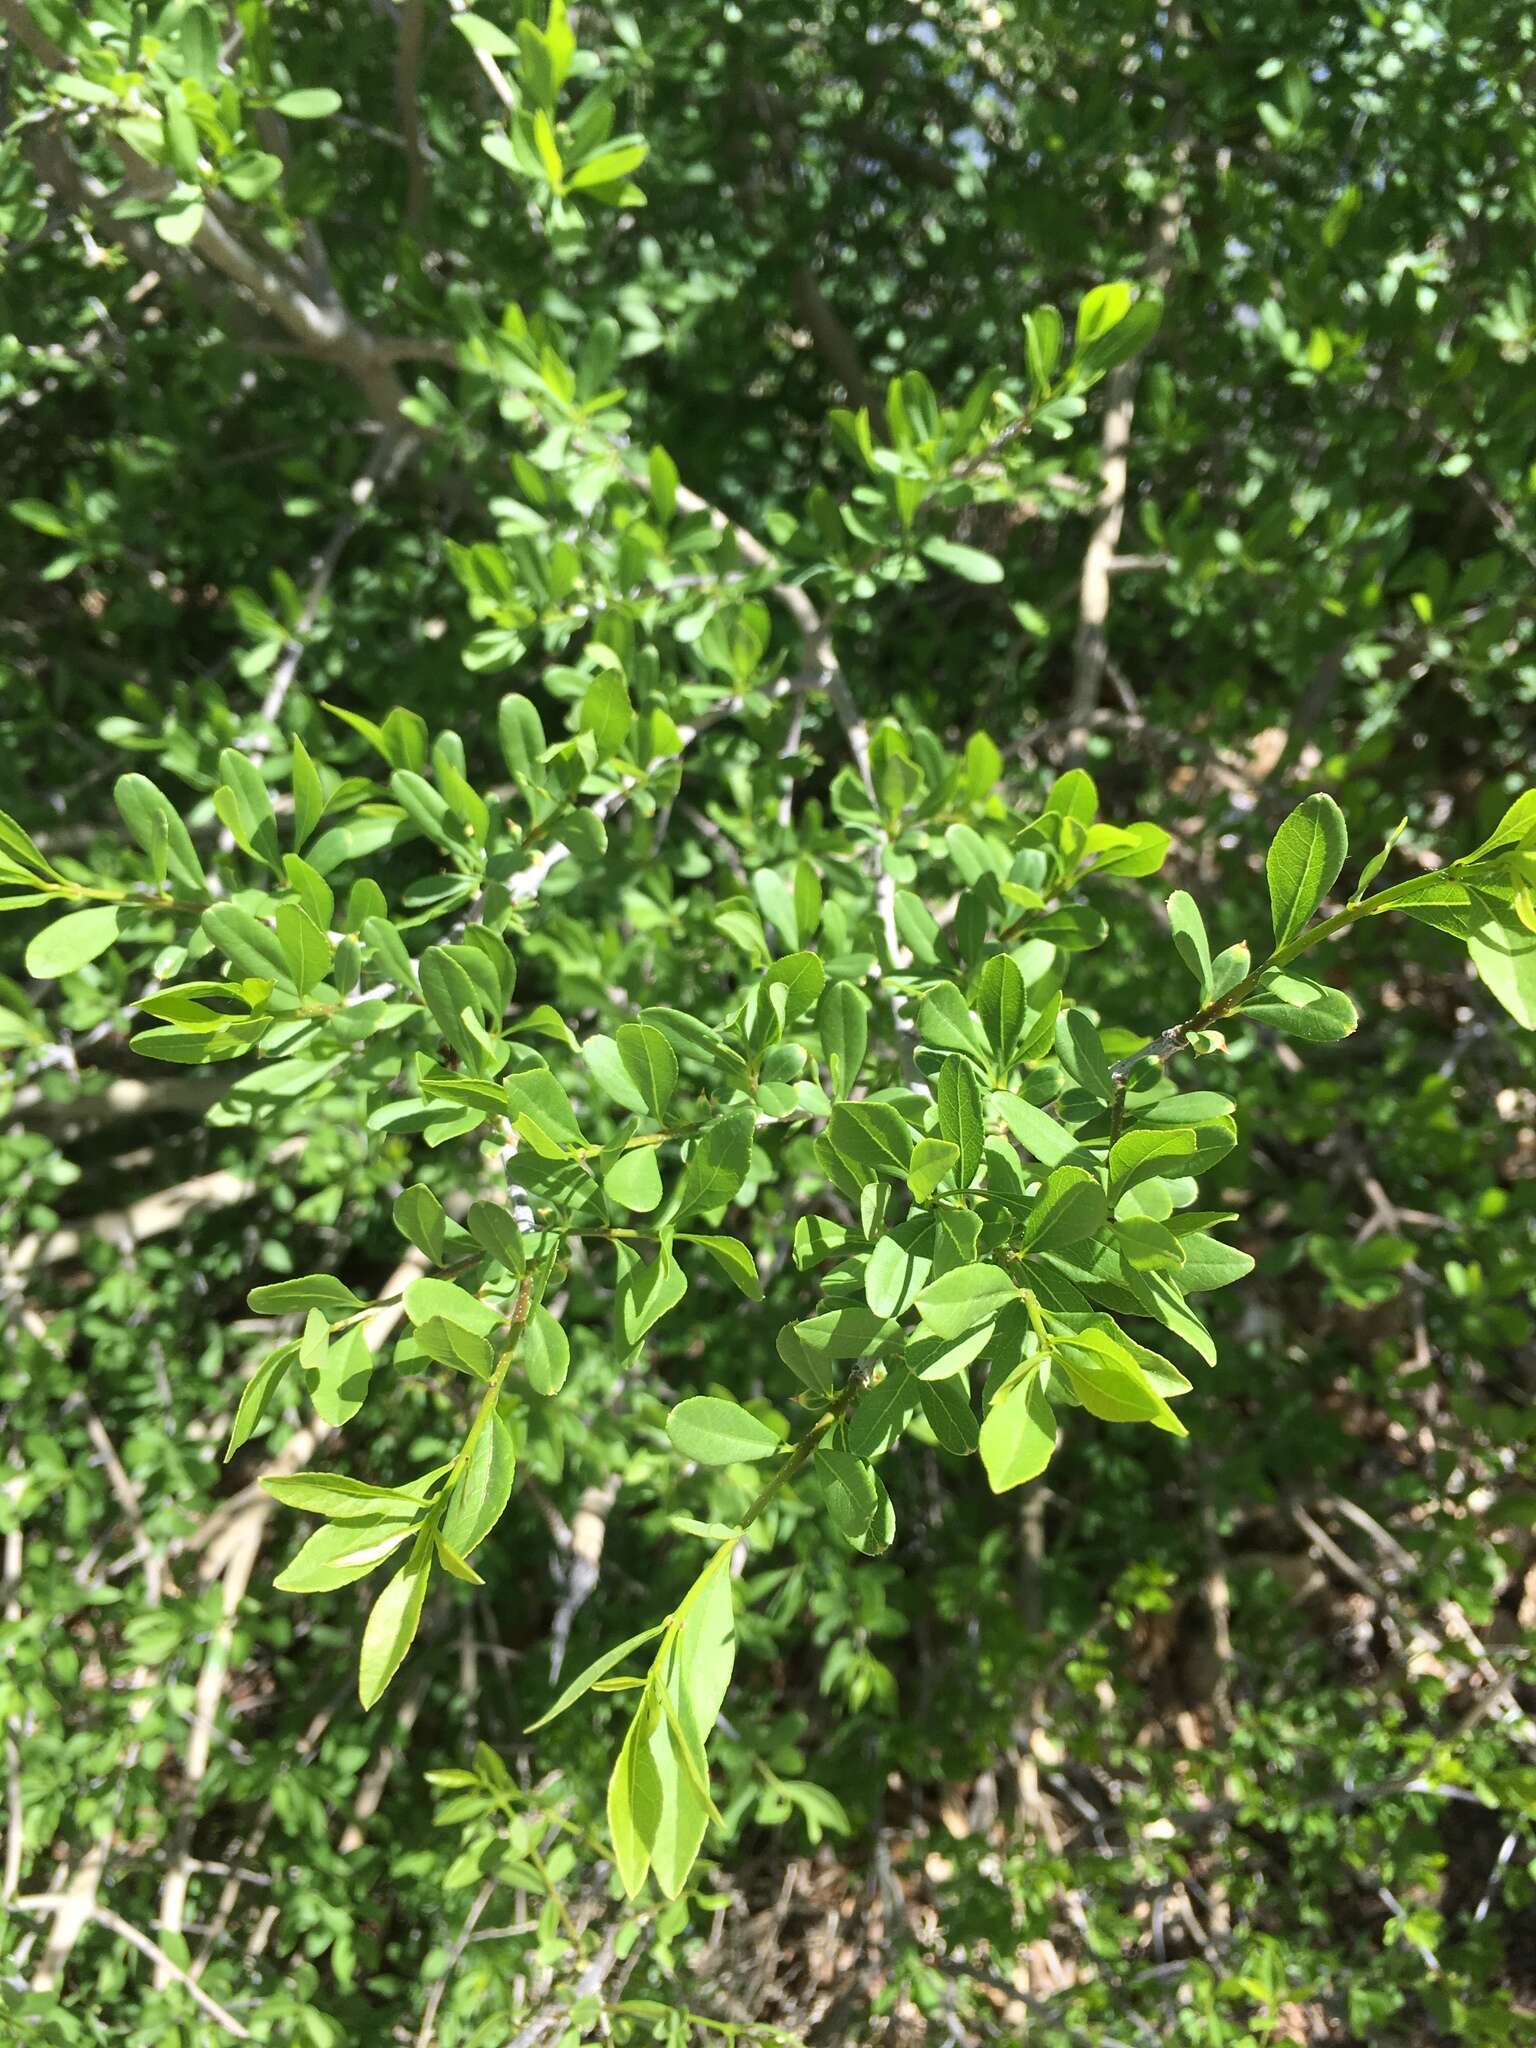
(1099, 310)
(882, 1413)
(343, 1499)
(647, 1292)
(607, 168)
(606, 711)
(606, 1065)
(948, 1412)
(250, 947)
(802, 978)
(541, 1110)
(430, 1297)
(1018, 1435)
(256, 1396)
(894, 1275)
(1190, 941)
(1208, 1263)
(1001, 1005)
(309, 1290)
(1507, 964)
(544, 1352)
(842, 1025)
(1142, 1154)
(339, 1370)
(485, 35)
(1039, 1133)
(962, 1114)
(308, 796)
(420, 1216)
(181, 225)
(650, 1063)
(72, 942)
(716, 1432)
(849, 1488)
(634, 1796)
(391, 1626)
(598, 1668)
(946, 1022)
(1081, 1053)
(496, 1231)
(970, 563)
(932, 1162)
(152, 819)
(306, 949)
(662, 473)
(1303, 1009)
(1106, 1377)
(965, 1298)
(1303, 863)
(480, 1493)
(733, 1259)
(340, 1553)
(633, 1181)
(309, 103)
(718, 1163)
(1069, 1207)
(872, 1137)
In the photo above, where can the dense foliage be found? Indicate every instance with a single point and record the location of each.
(582, 1061)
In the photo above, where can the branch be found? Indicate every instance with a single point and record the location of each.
(825, 672)
(835, 341)
(389, 455)
(327, 330)
(152, 1217)
(192, 1093)
(167, 1970)
(232, 1552)
(584, 1557)
(1091, 646)
(407, 70)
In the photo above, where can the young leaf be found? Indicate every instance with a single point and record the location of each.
(932, 1162)
(733, 1259)
(481, 1491)
(257, 1394)
(339, 1553)
(544, 1353)
(598, 1668)
(428, 1297)
(1189, 939)
(309, 1290)
(392, 1623)
(343, 1499)
(647, 1292)
(1303, 863)
(1018, 1435)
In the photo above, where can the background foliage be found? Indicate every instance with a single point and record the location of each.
(1219, 1739)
